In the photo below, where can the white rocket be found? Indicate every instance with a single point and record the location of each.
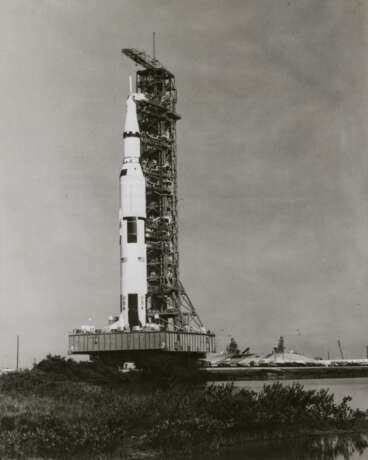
(132, 215)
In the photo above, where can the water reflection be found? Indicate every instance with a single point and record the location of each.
(342, 447)
(330, 448)
(312, 448)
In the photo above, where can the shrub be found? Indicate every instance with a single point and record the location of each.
(65, 408)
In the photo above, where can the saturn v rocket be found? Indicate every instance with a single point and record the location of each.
(132, 216)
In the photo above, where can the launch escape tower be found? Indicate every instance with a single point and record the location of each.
(166, 299)
(178, 327)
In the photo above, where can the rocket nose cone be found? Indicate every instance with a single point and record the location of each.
(131, 120)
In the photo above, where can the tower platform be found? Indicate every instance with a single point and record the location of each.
(132, 342)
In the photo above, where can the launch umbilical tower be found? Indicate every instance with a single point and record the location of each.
(166, 299)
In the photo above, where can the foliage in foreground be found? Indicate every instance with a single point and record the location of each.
(63, 408)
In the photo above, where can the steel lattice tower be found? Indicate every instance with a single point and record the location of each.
(167, 300)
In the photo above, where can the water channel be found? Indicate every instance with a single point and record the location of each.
(357, 388)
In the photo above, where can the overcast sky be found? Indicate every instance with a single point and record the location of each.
(273, 166)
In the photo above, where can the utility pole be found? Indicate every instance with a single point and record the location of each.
(17, 352)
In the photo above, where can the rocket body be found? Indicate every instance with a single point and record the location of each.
(132, 216)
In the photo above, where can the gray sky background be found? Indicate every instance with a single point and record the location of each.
(273, 166)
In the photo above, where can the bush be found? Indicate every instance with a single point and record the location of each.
(221, 412)
(65, 408)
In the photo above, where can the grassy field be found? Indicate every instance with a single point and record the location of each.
(85, 410)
